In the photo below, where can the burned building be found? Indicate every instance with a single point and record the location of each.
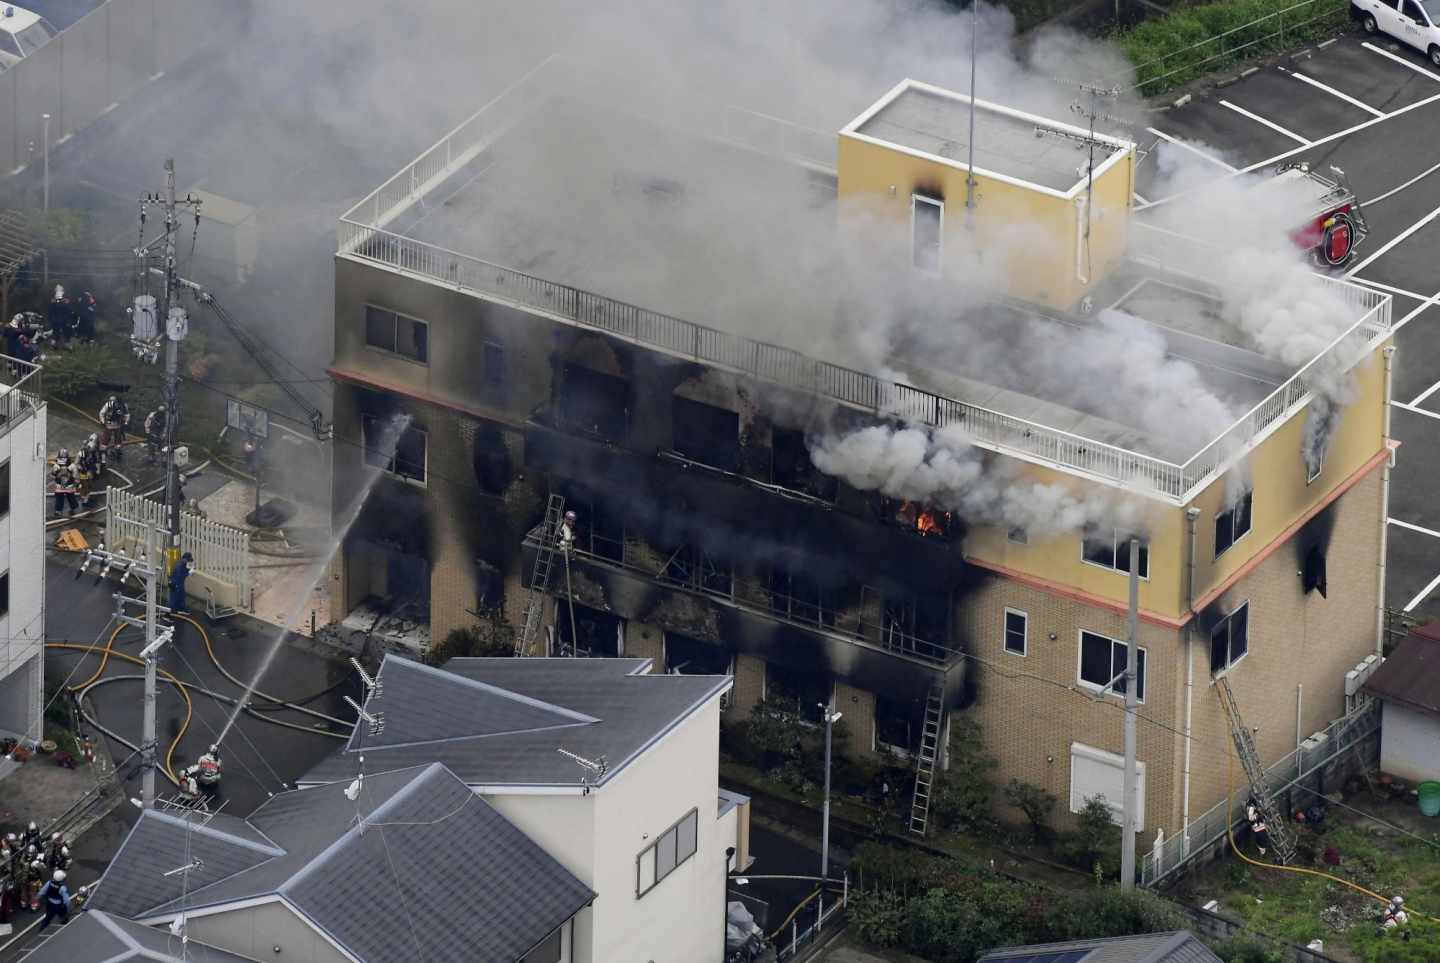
(546, 312)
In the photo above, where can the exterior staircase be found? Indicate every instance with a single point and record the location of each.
(540, 575)
(926, 758)
(1281, 836)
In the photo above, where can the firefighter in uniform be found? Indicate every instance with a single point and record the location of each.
(155, 424)
(91, 465)
(64, 483)
(114, 419)
(1256, 819)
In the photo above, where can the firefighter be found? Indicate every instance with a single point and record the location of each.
(7, 878)
(90, 466)
(155, 424)
(60, 315)
(178, 575)
(114, 419)
(1394, 914)
(189, 786)
(31, 836)
(1256, 819)
(64, 483)
(567, 532)
(85, 316)
(58, 855)
(57, 899)
(207, 767)
(34, 876)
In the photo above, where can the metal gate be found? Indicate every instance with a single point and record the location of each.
(221, 553)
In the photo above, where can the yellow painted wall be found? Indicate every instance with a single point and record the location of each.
(1059, 558)
(1031, 235)
(1277, 470)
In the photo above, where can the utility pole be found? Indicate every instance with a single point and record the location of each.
(45, 154)
(970, 159)
(177, 325)
(831, 717)
(1132, 700)
(151, 570)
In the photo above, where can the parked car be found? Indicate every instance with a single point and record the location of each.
(1409, 21)
(22, 32)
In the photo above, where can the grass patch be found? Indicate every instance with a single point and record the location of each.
(1173, 50)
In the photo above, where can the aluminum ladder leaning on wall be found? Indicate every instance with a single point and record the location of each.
(926, 758)
(1281, 835)
(540, 574)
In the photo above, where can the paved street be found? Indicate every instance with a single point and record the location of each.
(1372, 108)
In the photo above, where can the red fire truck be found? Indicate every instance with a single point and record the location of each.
(1337, 227)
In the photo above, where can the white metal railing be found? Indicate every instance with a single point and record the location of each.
(1211, 826)
(221, 552)
(21, 390)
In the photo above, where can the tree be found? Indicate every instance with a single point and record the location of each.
(1035, 803)
(963, 793)
(1096, 840)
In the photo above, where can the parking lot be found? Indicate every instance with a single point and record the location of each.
(1370, 106)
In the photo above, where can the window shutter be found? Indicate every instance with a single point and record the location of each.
(1095, 772)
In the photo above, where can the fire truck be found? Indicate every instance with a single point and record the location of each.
(1337, 226)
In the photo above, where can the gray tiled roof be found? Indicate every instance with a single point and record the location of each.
(419, 867)
(1179, 946)
(499, 722)
(96, 937)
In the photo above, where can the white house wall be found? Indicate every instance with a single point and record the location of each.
(22, 553)
(1409, 743)
(268, 932)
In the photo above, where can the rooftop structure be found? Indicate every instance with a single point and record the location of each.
(99, 937)
(933, 122)
(1177, 947)
(469, 215)
(500, 722)
(471, 884)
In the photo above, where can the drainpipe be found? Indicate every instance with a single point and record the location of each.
(1384, 500)
(1191, 514)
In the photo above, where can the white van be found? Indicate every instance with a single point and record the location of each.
(1409, 21)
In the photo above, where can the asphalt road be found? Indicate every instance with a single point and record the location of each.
(1371, 107)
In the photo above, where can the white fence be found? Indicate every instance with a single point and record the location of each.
(221, 553)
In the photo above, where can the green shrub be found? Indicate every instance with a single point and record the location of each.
(963, 793)
(1374, 945)
(1035, 803)
(1175, 49)
(1245, 950)
(1094, 846)
(491, 638)
(69, 374)
(879, 916)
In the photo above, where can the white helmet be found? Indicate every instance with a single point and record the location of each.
(59, 292)
(59, 876)
(33, 827)
(214, 749)
(1397, 901)
(54, 837)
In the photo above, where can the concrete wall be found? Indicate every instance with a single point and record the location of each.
(257, 931)
(1409, 743)
(22, 541)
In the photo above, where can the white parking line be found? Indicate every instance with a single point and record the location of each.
(1423, 593)
(1413, 410)
(1391, 289)
(1394, 241)
(1401, 61)
(1192, 149)
(1424, 305)
(1414, 528)
(1396, 190)
(1419, 399)
(1268, 123)
(1335, 93)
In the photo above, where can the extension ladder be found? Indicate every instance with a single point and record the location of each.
(1281, 836)
(926, 759)
(540, 574)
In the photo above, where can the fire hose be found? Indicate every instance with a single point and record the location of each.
(1230, 834)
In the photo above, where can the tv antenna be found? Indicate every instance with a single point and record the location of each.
(372, 684)
(376, 721)
(595, 768)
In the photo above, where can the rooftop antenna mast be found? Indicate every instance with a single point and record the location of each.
(597, 768)
(970, 148)
(1092, 114)
(372, 684)
(376, 720)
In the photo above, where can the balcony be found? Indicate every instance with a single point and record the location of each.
(876, 642)
(20, 391)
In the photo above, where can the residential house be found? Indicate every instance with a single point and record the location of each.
(1177, 947)
(98, 937)
(1408, 686)
(24, 474)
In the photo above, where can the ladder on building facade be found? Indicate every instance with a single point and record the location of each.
(926, 758)
(1280, 835)
(540, 574)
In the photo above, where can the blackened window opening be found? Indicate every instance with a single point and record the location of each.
(706, 434)
(1111, 548)
(599, 526)
(696, 569)
(799, 596)
(599, 632)
(804, 693)
(689, 656)
(491, 459)
(792, 468)
(407, 459)
(897, 724)
(1230, 639)
(1314, 571)
(595, 403)
(1233, 524)
(389, 331)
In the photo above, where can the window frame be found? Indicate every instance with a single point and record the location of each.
(653, 850)
(1114, 565)
(1310, 476)
(1142, 667)
(1249, 501)
(395, 351)
(1018, 534)
(422, 482)
(939, 204)
(1024, 633)
(5, 483)
(1226, 623)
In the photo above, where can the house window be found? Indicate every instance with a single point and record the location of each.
(1314, 465)
(5, 489)
(898, 724)
(1102, 662)
(706, 434)
(397, 334)
(1018, 535)
(404, 457)
(494, 361)
(1112, 550)
(1230, 640)
(927, 224)
(1097, 774)
(1232, 525)
(670, 850)
(1017, 625)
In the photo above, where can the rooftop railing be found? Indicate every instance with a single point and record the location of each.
(362, 235)
(21, 391)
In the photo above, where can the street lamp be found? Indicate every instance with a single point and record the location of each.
(831, 717)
